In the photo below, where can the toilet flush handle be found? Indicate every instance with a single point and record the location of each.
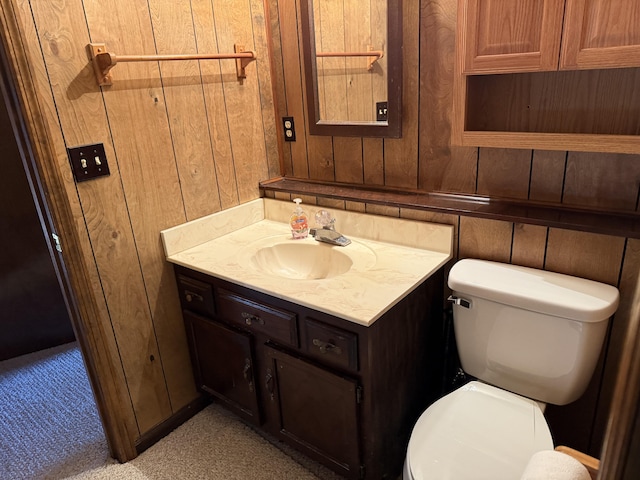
(463, 302)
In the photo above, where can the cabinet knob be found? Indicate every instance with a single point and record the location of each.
(327, 347)
(190, 296)
(250, 319)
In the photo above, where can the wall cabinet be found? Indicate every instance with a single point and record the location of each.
(525, 36)
(345, 394)
(549, 74)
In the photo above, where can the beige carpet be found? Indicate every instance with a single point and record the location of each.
(49, 429)
(212, 445)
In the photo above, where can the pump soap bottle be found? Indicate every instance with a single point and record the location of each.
(298, 222)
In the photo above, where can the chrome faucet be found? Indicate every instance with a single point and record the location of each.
(326, 232)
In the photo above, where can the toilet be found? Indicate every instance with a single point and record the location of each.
(529, 337)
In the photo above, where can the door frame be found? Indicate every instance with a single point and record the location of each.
(56, 215)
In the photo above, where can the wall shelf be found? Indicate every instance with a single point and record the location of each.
(616, 223)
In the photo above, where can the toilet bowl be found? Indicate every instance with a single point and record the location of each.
(528, 336)
(461, 434)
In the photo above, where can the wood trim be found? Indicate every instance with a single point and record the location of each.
(624, 406)
(591, 464)
(551, 141)
(535, 213)
(110, 393)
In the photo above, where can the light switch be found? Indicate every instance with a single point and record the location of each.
(88, 161)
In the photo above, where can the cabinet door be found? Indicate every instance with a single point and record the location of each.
(601, 34)
(500, 36)
(223, 364)
(318, 411)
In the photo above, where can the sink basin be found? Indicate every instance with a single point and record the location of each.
(302, 261)
(307, 259)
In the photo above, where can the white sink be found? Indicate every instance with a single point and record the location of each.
(250, 245)
(306, 259)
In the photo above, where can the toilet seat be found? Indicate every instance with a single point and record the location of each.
(476, 432)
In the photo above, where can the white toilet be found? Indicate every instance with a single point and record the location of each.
(529, 336)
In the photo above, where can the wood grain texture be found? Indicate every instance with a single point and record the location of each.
(547, 176)
(110, 228)
(146, 158)
(173, 32)
(599, 257)
(504, 172)
(529, 245)
(242, 101)
(510, 35)
(485, 239)
(261, 30)
(401, 155)
(214, 100)
(348, 159)
(293, 83)
(441, 166)
(608, 181)
(373, 161)
(618, 331)
(280, 98)
(93, 329)
(601, 34)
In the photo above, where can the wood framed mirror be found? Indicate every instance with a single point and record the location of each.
(353, 67)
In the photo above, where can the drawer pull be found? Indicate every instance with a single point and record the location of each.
(268, 381)
(327, 347)
(246, 372)
(250, 319)
(189, 296)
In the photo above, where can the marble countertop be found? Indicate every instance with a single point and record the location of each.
(383, 272)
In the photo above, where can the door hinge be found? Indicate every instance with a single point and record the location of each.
(362, 471)
(56, 241)
(358, 394)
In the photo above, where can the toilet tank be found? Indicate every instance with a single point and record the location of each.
(529, 331)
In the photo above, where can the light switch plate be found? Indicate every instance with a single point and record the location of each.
(88, 162)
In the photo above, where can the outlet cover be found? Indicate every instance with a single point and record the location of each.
(381, 111)
(88, 162)
(289, 129)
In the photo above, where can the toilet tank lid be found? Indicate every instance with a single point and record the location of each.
(536, 290)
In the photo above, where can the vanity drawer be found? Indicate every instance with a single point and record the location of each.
(332, 345)
(279, 325)
(196, 296)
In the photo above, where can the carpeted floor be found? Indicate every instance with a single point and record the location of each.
(50, 429)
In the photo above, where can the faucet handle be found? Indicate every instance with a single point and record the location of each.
(325, 219)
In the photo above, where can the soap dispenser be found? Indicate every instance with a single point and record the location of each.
(298, 222)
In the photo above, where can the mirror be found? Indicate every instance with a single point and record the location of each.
(353, 67)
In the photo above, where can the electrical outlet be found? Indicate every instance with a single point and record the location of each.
(381, 111)
(88, 162)
(289, 129)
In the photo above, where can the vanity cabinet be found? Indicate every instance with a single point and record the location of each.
(541, 75)
(346, 395)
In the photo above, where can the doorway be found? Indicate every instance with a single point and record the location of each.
(42, 372)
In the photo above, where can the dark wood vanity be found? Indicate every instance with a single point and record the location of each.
(345, 394)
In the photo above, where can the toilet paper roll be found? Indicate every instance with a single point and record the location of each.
(552, 465)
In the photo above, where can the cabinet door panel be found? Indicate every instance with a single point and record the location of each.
(509, 35)
(224, 365)
(601, 34)
(318, 411)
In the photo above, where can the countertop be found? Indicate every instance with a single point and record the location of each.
(392, 256)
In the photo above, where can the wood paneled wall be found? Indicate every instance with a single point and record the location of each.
(424, 159)
(183, 140)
